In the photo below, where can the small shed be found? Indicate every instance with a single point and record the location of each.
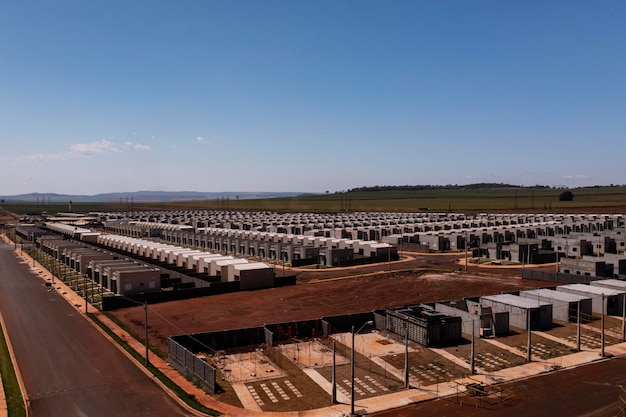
(614, 284)
(519, 309)
(565, 306)
(485, 321)
(614, 299)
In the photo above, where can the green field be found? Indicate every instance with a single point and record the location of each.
(596, 199)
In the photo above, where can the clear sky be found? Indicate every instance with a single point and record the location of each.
(108, 96)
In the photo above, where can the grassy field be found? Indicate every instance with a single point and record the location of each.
(15, 402)
(596, 199)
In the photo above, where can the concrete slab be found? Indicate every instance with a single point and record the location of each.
(245, 396)
(248, 367)
(311, 354)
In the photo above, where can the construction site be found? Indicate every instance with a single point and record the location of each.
(367, 338)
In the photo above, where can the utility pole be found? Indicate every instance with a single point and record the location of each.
(528, 350)
(85, 293)
(352, 376)
(578, 328)
(602, 325)
(334, 388)
(407, 384)
(145, 306)
(472, 360)
(624, 320)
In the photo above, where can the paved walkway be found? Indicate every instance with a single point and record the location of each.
(369, 405)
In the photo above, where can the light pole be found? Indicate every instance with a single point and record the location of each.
(145, 307)
(334, 386)
(407, 384)
(528, 342)
(602, 328)
(85, 293)
(367, 323)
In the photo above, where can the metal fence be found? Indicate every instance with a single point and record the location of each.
(192, 366)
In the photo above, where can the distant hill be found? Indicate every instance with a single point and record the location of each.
(144, 196)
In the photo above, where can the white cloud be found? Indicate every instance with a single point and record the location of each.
(199, 139)
(98, 147)
(576, 177)
(86, 150)
(41, 157)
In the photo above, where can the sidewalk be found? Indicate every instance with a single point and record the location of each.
(368, 405)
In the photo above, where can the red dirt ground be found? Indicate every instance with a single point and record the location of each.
(317, 295)
(589, 391)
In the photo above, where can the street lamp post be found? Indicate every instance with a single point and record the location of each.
(367, 323)
(334, 386)
(145, 307)
(85, 293)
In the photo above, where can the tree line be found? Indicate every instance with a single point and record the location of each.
(482, 186)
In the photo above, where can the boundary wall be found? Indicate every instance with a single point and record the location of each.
(559, 277)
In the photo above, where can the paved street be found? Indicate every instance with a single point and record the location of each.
(68, 367)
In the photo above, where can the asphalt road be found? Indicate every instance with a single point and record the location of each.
(68, 367)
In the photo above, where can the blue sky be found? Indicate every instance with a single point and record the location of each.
(107, 96)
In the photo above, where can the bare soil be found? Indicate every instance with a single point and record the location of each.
(422, 278)
(325, 292)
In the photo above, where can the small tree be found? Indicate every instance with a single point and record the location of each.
(566, 196)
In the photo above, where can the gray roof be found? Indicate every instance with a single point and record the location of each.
(556, 295)
(515, 300)
(589, 289)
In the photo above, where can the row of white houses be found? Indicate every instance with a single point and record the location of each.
(276, 246)
(250, 275)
